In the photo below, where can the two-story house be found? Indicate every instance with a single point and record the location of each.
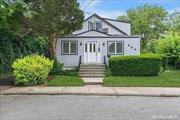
(99, 39)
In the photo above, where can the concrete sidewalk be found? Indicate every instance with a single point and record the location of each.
(94, 90)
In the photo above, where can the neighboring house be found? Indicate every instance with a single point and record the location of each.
(98, 39)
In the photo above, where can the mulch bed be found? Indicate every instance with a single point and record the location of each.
(7, 81)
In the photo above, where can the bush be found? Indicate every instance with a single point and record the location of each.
(177, 64)
(57, 68)
(31, 70)
(170, 45)
(108, 72)
(144, 65)
(70, 72)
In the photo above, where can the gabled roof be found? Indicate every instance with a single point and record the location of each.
(92, 31)
(117, 20)
(103, 19)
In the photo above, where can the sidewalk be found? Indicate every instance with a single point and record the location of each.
(94, 90)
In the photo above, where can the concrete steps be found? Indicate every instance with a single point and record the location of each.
(92, 70)
(92, 74)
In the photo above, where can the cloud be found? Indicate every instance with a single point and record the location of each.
(89, 4)
(174, 10)
(110, 14)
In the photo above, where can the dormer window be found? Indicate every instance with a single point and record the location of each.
(90, 25)
(98, 25)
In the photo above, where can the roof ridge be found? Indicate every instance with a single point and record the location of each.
(117, 20)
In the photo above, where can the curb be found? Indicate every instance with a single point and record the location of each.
(96, 94)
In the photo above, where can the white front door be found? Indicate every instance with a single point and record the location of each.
(91, 48)
(92, 52)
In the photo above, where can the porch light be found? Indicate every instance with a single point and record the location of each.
(80, 44)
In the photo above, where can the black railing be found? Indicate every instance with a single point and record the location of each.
(79, 62)
(105, 62)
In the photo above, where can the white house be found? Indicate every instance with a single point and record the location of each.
(99, 39)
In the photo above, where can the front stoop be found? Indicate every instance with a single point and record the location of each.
(92, 74)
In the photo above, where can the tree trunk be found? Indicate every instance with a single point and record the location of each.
(52, 43)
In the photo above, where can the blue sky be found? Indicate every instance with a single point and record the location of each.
(114, 8)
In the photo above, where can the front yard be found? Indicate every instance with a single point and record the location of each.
(66, 81)
(170, 78)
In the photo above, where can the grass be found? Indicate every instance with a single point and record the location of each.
(66, 81)
(170, 78)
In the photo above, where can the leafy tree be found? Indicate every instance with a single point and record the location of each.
(173, 22)
(146, 21)
(13, 15)
(170, 45)
(52, 18)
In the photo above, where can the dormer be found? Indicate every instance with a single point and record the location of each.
(105, 25)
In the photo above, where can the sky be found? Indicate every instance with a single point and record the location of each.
(114, 8)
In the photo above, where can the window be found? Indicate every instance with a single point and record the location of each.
(90, 25)
(86, 47)
(98, 25)
(69, 47)
(115, 47)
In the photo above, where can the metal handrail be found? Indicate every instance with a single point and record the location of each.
(79, 62)
(105, 61)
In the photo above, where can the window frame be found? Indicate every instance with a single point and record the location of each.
(95, 25)
(108, 43)
(69, 53)
(89, 22)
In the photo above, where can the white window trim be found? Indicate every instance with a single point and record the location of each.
(69, 51)
(110, 42)
(89, 25)
(95, 25)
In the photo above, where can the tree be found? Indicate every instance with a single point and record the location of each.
(52, 18)
(13, 15)
(146, 21)
(173, 22)
(170, 45)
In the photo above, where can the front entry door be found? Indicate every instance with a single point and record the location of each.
(91, 52)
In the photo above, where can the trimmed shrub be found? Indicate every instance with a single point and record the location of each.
(143, 65)
(108, 72)
(70, 72)
(57, 68)
(31, 70)
(177, 64)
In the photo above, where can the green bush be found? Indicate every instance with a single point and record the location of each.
(170, 45)
(177, 64)
(143, 65)
(57, 68)
(108, 72)
(71, 72)
(14, 46)
(31, 70)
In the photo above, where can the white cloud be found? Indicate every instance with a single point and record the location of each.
(109, 14)
(174, 10)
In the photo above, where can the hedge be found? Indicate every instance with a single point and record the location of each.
(143, 65)
(177, 64)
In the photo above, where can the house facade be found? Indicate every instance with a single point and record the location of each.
(99, 39)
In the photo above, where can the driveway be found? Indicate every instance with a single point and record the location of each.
(32, 107)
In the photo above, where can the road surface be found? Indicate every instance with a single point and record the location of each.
(37, 107)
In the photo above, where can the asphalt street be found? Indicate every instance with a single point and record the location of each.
(44, 107)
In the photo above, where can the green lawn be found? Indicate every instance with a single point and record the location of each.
(170, 78)
(66, 81)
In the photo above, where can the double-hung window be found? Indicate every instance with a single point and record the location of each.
(90, 25)
(98, 25)
(69, 47)
(115, 47)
